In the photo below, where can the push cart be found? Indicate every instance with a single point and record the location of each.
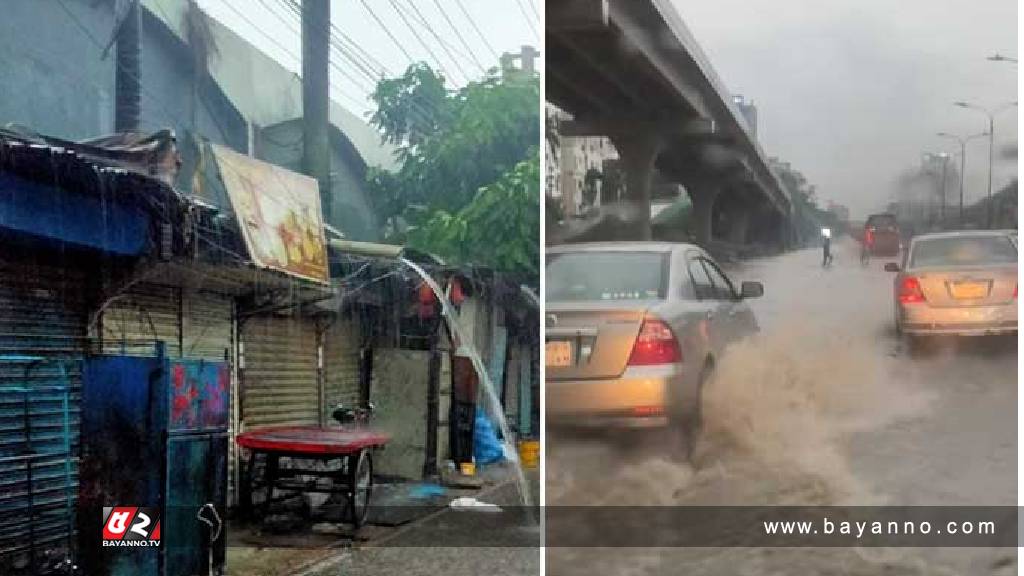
(342, 456)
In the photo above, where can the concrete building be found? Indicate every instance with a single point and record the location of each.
(568, 164)
(55, 79)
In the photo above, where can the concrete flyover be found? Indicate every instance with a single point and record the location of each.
(630, 70)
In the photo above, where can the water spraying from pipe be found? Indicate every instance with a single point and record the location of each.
(494, 403)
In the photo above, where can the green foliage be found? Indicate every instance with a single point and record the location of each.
(462, 153)
(498, 228)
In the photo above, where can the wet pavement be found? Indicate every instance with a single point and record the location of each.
(451, 543)
(824, 407)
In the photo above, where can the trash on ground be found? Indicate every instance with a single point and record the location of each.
(474, 505)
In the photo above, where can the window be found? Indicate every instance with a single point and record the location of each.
(723, 287)
(702, 284)
(963, 251)
(582, 276)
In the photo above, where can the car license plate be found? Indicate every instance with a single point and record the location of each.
(558, 353)
(969, 290)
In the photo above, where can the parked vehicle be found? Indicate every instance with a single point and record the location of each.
(962, 283)
(633, 332)
(882, 235)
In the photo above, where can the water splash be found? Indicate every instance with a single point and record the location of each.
(492, 396)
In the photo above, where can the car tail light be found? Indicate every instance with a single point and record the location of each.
(655, 344)
(910, 291)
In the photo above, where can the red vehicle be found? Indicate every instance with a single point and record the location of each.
(882, 235)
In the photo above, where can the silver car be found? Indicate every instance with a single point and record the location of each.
(633, 330)
(961, 283)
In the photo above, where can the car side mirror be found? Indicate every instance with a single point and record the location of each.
(892, 267)
(751, 290)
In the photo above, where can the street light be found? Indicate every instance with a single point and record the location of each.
(991, 140)
(1001, 58)
(963, 161)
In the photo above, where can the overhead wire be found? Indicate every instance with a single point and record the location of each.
(529, 20)
(419, 39)
(292, 53)
(420, 113)
(458, 34)
(472, 23)
(448, 49)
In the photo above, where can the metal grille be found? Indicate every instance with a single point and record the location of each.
(42, 314)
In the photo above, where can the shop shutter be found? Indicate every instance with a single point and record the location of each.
(42, 313)
(140, 316)
(341, 365)
(279, 375)
(207, 323)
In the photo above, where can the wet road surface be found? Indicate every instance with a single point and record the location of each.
(824, 407)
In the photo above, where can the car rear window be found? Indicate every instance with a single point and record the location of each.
(581, 276)
(882, 221)
(963, 251)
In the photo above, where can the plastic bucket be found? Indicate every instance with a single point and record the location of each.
(529, 454)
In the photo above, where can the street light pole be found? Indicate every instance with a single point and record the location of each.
(963, 162)
(990, 113)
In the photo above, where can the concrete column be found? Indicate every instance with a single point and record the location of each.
(739, 223)
(637, 152)
(702, 197)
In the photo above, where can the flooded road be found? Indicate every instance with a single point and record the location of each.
(823, 407)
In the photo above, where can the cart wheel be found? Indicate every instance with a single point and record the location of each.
(360, 469)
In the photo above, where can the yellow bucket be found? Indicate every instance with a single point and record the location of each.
(529, 454)
(467, 468)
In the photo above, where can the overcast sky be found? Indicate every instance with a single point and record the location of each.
(273, 27)
(852, 92)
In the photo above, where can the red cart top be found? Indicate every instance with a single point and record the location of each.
(311, 439)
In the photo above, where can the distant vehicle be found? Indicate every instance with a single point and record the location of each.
(633, 331)
(961, 283)
(882, 235)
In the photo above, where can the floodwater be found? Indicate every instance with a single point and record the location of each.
(824, 407)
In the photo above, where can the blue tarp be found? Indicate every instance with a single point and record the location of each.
(487, 449)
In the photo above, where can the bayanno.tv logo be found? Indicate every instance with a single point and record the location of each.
(131, 526)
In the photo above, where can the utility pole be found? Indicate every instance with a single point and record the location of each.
(942, 207)
(128, 73)
(316, 157)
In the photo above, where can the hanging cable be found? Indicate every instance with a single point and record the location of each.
(529, 20)
(472, 23)
(419, 39)
(459, 36)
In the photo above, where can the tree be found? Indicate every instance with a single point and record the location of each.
(499, 228)
(460, 152)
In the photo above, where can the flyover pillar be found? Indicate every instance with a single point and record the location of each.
(702, 200)
(739, 223)
(637, 152)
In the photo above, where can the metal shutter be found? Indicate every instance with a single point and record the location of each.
(279, 374)
(42, 313)
(140, 316)
(207, 323)
(341, 365)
